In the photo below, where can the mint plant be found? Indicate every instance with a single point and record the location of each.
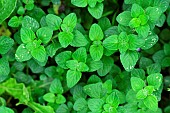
(84, 56)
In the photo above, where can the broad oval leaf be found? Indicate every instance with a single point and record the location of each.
(137, 83)
(6, 8)
(62, 57)
(5, 44)
(111, 42)
(96, 52)
(151, 102)
(129, 59)
(95, 33)
(27, 35)
(53, 21)
(69, 22)
(96, 11)
(73, 77)
(39, 53)
(30, 23)
(44, 34)
(65, 38)
(22, 54)
(124, 18)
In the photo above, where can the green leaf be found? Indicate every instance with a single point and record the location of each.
(92, 3)
(79, 3)
(131, 57)
(109, 109)
(149, 89)
(151, 102)
(72, 77)
(96, 11)
(95, 90)
(5, 44)
(95, 105)
(150, 41)
(65, 38)
(4, 109)
(72, 64)
(143, 30)
(82, 67)
(38, 108)
(52, 48)
(113, 100)
(6, 8)
(144, 19)
(63, 109)
(104, 23)
(111, 42)
(142, 94)
(4, 69)
(96, 52)
(165, 62)
(34, 66)
(69, 22)
(44, 36)
(140, 73)
(134, 23)
(17, 90)
(161, 20)
(124, 18)
(94, 79)
(108, 63)
(53, 21)
(80, 104)
(123, 42)
(108, 85)
(93, 65)
(62, 57)
(153, 68)
(56, 87)
(51, 71)
(121, 96)
(166, 49)
(154, 13)
(78, 92)
(33, 44)
(95, 33)
(155, 80)
(135, 42)
(60, 99)
(39, 53)
(136, 10)
(137, 83)
(144, 62)
(80, 55)
(79, 39)
(15, 21)
(22, 54)
(49, 97)
(30, 23)
(27, 35)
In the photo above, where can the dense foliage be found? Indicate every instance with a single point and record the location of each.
(84, 56)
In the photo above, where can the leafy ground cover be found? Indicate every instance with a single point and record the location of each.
(84, 56)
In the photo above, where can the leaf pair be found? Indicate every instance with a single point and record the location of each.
(32, 46)
(95, 7)
(146, 92)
